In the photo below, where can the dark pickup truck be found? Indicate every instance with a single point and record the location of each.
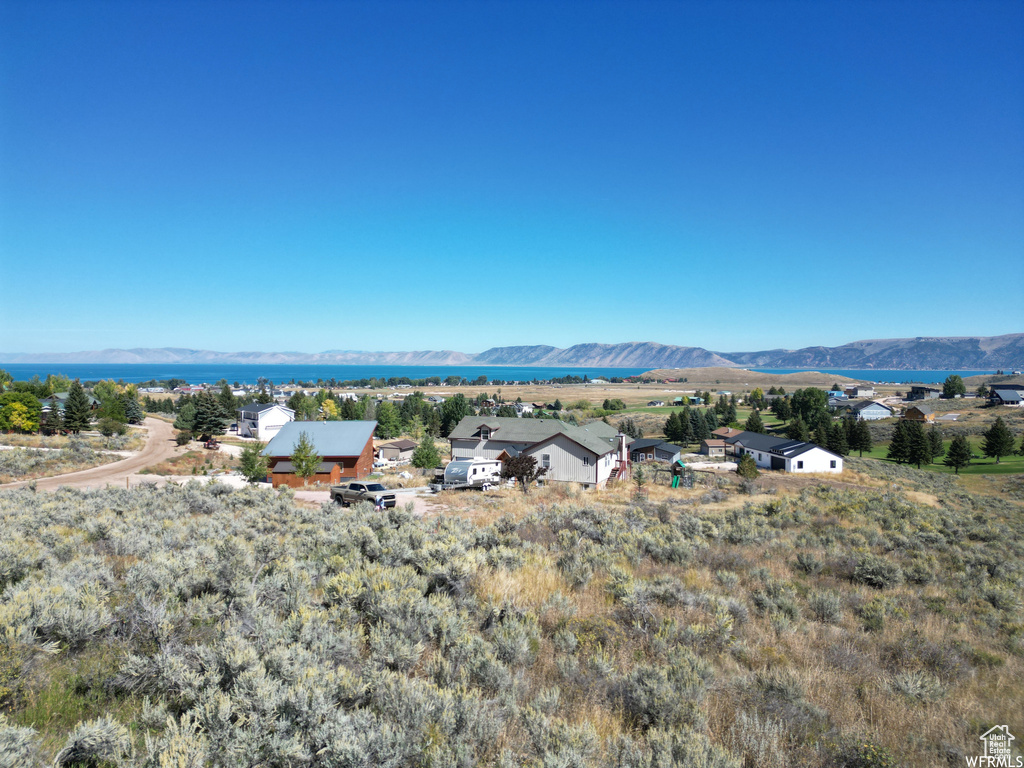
(353, 493)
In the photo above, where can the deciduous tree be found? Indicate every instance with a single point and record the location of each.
(453, 410)
(305, 459)
(523, 469)
(252, 463)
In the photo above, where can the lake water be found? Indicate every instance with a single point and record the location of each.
(283, 374)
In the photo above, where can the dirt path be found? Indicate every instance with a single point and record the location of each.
(159, 446)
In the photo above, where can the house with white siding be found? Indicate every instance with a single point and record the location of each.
(780, 453)
(590, 455)
(866, 410)
(263, 421)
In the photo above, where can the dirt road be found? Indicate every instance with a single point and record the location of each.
(159, 446)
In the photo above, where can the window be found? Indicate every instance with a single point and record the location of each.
(545, 460)
(485, 433)
(832, 464)
(586, 461)
(799, 465)
(650, 455)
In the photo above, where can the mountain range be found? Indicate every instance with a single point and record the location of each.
(920, 353)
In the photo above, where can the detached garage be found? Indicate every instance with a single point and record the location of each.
(345, 449)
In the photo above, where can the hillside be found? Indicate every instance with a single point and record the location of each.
(921, 353)
(738, 377)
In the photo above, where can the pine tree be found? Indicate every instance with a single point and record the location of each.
(388, 422)
(935, 442)
(700, 431)
(209, 419)
(919, 449)
(711, 419)
(899, 446)
(264, 398)
(685, 427)
(76, 410)
(53, 422)
(797, 430)
(754, 423)
(453, 410)
(998, 440)
(837, 442)
(186, 417)
(959, 454)
(426, 456)
(862, 437)
(132, 410)
(673, 428)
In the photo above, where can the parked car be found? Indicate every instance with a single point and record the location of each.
(353, 493)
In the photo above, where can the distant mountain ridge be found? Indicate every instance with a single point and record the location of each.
(920, 353)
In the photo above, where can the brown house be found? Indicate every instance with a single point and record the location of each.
(919, 413)
(345, 449)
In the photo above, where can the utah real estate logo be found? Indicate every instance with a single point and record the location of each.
(998, 752)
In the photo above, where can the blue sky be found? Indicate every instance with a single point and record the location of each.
(435, 175)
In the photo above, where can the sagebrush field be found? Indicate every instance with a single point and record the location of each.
(194, 626)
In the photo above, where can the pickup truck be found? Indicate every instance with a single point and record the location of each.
(353, 493)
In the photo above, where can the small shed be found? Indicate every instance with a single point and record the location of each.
(919, 413)
(399, 450)
(712, 447)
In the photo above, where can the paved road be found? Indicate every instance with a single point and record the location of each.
(159, 446)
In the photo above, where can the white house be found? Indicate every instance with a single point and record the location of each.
(860, 391)
(589, 455)
(263, 421)
(780, 453)
(867, 410)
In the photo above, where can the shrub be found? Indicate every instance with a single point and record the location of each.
(93, 742)
(184, 437)
(826, 607)
(877, 572)
(746, 467)
(109, 427)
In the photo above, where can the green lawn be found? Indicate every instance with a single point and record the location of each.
(1007, 465)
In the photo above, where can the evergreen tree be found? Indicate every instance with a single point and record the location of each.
(998, 440)
(209, 418)
(132, 410)
(252, 463)
(919, 449)
(264, 398)
(732, 416)
(673, 428)
(959, 454)
(305, 459)
(782, 409)
(837, 442)
(700, 425)
(433, 423)
(426, 456)
(52, 422)
(557, 404)
(453, 410)
(797, 430)
(821, 432)
(77, 414)
(388, 422)
(899, 446)
(227, 400)
(746, 467)
(186, 418)
(711, 419)
(861, 437)
(953, 386)
(754, 423)
(935, 442)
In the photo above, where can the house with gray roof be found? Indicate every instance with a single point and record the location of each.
(1004, 396)
(263, 421)
(345, 449)
(589, 455)
(865, 410)
(783, 454)
(652, 449)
